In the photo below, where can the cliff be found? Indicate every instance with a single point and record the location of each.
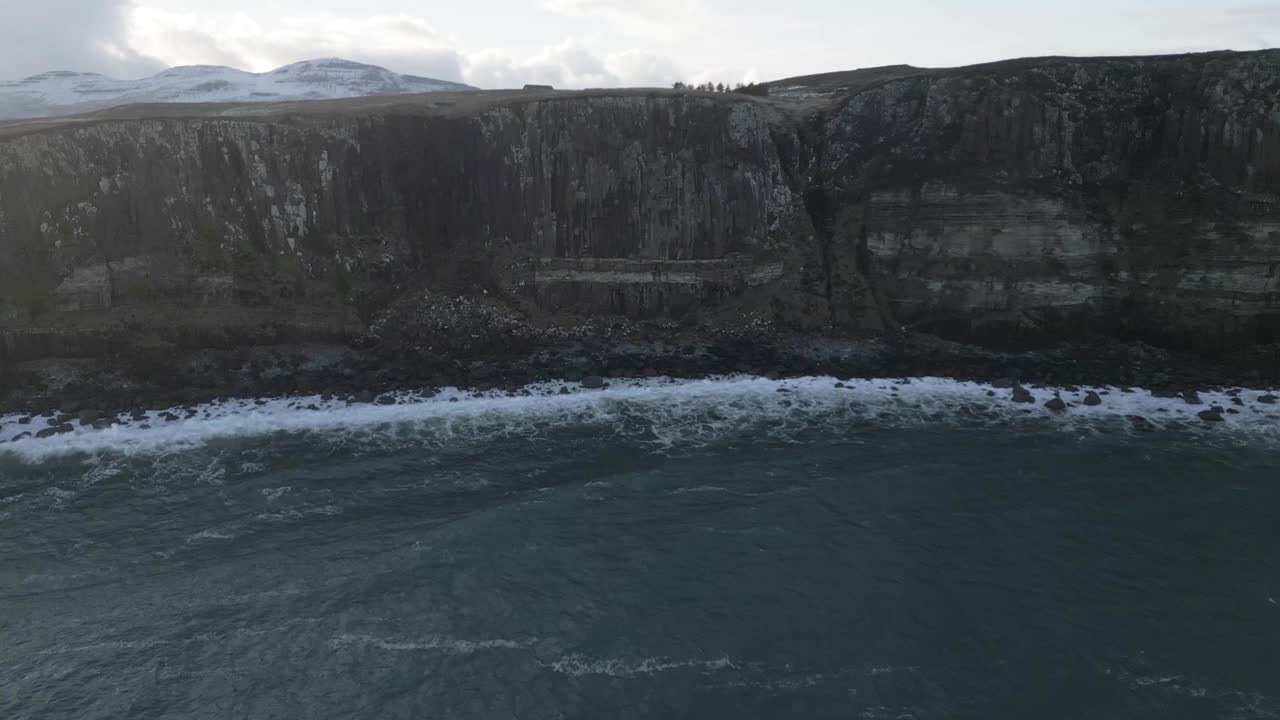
(1025, 203)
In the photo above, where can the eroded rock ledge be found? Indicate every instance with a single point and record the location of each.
(1129, 204)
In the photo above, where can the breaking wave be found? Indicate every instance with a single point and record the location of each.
(661, 413)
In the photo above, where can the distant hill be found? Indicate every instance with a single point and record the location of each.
(65, 93)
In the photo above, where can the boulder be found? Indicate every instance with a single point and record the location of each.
(1022, 395)
(1056, 405)
(1268, 399)
(1092, 399)
(1212, 415)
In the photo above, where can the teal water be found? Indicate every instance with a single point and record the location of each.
(714, 550)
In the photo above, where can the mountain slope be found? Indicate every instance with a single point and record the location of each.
(62, 93)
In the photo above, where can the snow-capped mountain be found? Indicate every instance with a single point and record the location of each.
(65, 93)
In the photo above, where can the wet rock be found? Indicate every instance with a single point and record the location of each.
(47, 432)
(1237, 401)
(1268, 399)
(1211, 415)
(364, 397)
(1232, 411)
(21, 436)
(386, 400)
(1003, 384)
(1233, 392)
(1056, 405)
(840, 385)
(1192, 397)
(1022, 395)
(88, 417)
(62, 418)
(168, 417)
(564, 390)
(24, 421)
(1165, 394)
(991, 393)
(138, 414)
(592, 382)
(102, 424)
(1092, 399)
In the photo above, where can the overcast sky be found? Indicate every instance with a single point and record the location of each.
(596, 43)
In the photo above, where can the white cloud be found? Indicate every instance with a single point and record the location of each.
(400, 42)
(661, 19)
(80, 35)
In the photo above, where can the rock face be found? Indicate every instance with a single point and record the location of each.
(1022, 202)
(1134, 197)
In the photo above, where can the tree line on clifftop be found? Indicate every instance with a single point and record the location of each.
(745, 89)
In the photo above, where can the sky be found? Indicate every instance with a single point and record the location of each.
(606, 43)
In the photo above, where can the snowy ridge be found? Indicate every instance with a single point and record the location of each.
(63, 93)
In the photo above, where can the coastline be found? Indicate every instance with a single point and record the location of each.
(98, 396)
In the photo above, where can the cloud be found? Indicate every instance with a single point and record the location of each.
(565, 65)
(570, 65)
(664, 19)
(79, 35)
(401, 43)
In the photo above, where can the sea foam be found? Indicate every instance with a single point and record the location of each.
(661, 411)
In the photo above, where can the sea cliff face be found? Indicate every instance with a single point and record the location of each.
(1029, 202)
(1136, 198)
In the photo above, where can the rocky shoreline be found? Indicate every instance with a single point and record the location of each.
(57, 397)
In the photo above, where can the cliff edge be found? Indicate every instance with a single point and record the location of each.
(1033, 204)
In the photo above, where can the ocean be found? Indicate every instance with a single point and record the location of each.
(733, 547)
